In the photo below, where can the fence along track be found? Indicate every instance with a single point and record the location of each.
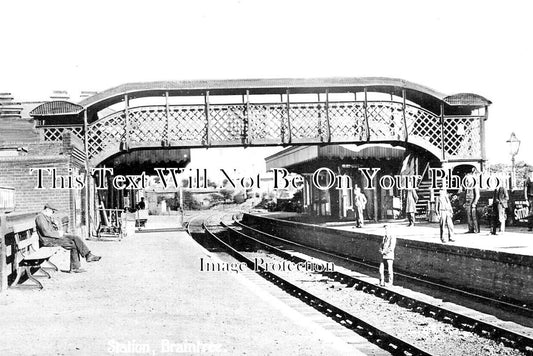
(482, 328)
(379, 337)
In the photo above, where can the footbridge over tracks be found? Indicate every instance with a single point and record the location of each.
(270, 112)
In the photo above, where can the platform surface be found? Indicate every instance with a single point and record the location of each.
(147, 294)
(516, 239)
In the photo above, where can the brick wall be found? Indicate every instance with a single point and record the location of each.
(15, 172)
(497, 274)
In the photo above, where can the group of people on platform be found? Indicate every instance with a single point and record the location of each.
(444, 209)
(500, 199)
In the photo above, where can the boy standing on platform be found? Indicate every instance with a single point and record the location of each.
(444, 207)
(386, 250)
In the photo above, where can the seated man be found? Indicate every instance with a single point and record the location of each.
(50, 235)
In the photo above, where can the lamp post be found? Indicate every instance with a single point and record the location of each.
(514, 146)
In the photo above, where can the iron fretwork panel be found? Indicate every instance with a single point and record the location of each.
(347, 121)
(423, 127)
(105, 132)
(187, 124)
(307, 121)
(267, 123)
(462, 137)
(228, 123)
(385, 121)
(147, 124)
(55, 134)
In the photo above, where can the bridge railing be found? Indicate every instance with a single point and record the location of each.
(284, 124)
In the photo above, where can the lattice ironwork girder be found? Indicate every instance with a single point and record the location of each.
(54, 134)
(462, 136)
(281, 123)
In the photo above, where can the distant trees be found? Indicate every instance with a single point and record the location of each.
(521, 168)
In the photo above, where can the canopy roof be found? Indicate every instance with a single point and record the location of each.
(301, 154)
(59, 108)
(414, 92)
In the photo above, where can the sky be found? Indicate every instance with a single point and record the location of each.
(483, 47)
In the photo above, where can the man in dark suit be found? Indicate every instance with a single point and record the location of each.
(50, 235)
(528, 196)
(141, 205)
(471, 198)
(410, 206)
(499, 204)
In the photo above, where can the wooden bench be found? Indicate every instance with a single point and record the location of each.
(28, 254)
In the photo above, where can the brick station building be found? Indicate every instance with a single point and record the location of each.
(21, 150)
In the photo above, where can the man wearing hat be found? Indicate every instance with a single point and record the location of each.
(50, 235)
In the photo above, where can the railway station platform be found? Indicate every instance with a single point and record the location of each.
(515, 240)
(498, 266)
(147, 296)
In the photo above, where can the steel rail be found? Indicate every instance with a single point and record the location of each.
(464, 322)
(524, 311)
(379, 337)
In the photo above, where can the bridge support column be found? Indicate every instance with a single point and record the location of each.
(289, 133)
(167, 126)
(328, 126)
(246, 126)
(207, 119)
(366, 116)
(482, 134)
(87, 207)
(443, 138)
(126, 123)
(406, 133)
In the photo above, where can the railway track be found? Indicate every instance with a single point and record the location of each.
(213, 227)
(383, 339)
(482, 328)
(519, 310)
(515, 308)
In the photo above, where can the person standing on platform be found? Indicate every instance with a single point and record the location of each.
(471, 199)
(410, 206)
(386, 250)
(528, 196)
(141, 205)
(444, 207)
(499, 204)
(360, 201)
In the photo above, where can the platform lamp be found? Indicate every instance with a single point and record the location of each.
(514, 146)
